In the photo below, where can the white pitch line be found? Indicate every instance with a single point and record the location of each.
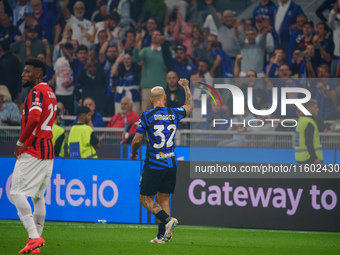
(152, 226)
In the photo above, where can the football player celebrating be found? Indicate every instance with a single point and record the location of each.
(159, 172)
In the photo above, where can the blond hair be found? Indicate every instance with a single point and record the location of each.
(157, 93)
(5, 92)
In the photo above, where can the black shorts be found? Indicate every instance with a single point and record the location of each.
(153, 181)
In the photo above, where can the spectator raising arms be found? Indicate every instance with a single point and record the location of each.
(125, 81)
(253, 51)
(285, 22)
(110, 25)
(77, 21)
(155, 60)
(183, 38)
(63, 78)
(334, 23)
(92, 80)
(153, 8)
(48, 21)
(229, 32)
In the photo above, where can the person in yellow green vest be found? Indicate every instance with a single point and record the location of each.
(81, 141)
(308, 149)
(58, 136)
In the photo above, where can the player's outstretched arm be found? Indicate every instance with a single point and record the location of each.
(189, 103)
(136, 143)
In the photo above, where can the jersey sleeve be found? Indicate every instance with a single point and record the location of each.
(37, 99)
(33, 110)
(141, 125)
(180, 112)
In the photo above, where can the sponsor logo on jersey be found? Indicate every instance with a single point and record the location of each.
(37, 102)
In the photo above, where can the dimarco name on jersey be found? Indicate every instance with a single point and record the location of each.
(164, 117)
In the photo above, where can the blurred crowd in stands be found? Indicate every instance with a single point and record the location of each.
(99, 52)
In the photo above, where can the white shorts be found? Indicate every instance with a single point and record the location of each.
(31, 176)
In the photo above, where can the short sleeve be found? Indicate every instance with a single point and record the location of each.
(180, 112)
(141, 125)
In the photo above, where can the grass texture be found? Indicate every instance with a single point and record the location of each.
(89, 238)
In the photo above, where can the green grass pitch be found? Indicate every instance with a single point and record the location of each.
(88, 238)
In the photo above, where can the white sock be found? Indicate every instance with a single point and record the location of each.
(39, 213)
(25, 214)
(39, 223)
(29, 224)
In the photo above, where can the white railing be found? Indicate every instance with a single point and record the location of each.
(201, 138)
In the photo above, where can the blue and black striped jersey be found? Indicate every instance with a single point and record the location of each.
(160, 125)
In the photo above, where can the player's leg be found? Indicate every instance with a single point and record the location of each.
(167, 187)
(20, 188)
(25, 214)
(163, 201)
(39, 200)
(149, 186)
(39, 216)
(27, 179)
(39, 213)
(161, 215)
(153, 207)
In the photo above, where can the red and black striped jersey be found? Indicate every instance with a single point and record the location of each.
(40, 98)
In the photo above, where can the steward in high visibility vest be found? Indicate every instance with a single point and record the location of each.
(59, 136)
(308, 148)
(81, 141)
(58, 140)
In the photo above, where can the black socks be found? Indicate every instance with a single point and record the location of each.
(163, 216)
(161, 230)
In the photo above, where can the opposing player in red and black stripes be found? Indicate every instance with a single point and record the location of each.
(34, 153)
